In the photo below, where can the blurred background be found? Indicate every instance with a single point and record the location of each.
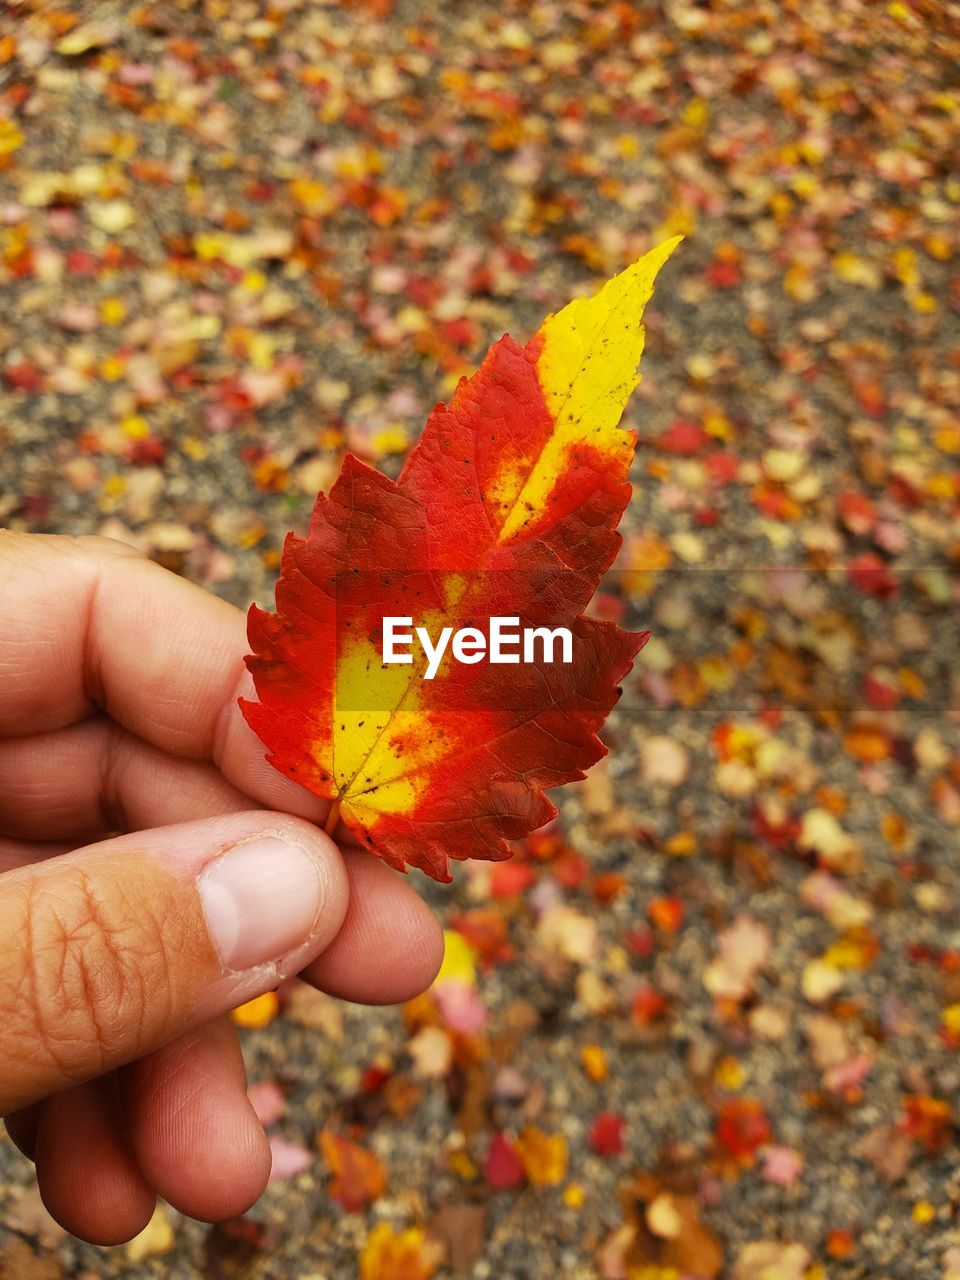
(707, 1025)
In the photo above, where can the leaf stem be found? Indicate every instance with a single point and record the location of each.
(333, 817)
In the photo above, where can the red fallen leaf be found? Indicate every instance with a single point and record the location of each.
(606, 1134)
(510, 879)
(459, 333)
(358, 1175)
(571, 869)
(81, 263)
(928, 1120)
(724, 275)
(682, 438)
(486, 931)
(640, 942)
(649, 1006)
(880, 691)
(508, 507)
(775, 831)
(742, 1128)
(774, 503)
(374, 1078)
(35, 507)
(723, 467)
(23, 376)
(147, 453)
(545, 846)
(503, 1167)
(904, 493)
(857, 512)
(872, 576)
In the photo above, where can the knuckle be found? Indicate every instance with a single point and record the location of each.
(101, 547)
(90, 960)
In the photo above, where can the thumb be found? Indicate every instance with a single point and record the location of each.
(114, 950)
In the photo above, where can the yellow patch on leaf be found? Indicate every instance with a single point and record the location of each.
(587, 370)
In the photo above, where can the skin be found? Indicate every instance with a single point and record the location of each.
(118, 714)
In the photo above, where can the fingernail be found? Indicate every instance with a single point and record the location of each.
(261, 900)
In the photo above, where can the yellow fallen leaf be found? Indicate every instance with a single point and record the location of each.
(155, 1238)
(544, 1156)
(257, 1012)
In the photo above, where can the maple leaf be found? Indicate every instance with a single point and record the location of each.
(507, 508)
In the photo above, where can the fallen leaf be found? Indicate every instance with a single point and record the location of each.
(605, 1135)
(288, 1158)
(19, 1262)
(399, 1255)
(268, 1101)
(766, 1260)
(463, 1229)
(358, 1175)
(503, 1167)
(782, 1165)
(258, 1012)
(432, 1052)
(544, 1156)
(888, 1149)
(29, 1216)
(156, 1237)
(744, 948)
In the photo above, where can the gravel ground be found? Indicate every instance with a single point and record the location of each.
(237, 240)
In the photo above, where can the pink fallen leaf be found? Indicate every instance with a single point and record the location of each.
(267, 1099)
(289, 1158)
(461, 1006)
(782, 1165)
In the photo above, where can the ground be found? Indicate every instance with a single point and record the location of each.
(708, 1024)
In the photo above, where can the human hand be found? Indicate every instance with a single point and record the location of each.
(119, 1075)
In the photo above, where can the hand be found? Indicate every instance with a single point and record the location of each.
(119, 1075)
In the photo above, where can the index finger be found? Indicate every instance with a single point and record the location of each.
(89, 622)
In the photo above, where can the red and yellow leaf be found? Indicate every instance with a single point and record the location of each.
(508, 507)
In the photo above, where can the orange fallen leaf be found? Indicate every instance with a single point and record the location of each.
(399, 1255)
(358, 1175)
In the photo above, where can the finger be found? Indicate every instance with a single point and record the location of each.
(88, 622)
(86, 1172)
(19, 853)
(95, 777)
(196, 1136)
(240, 756)
(119, 948)
(22, 1128)
(390, 945)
